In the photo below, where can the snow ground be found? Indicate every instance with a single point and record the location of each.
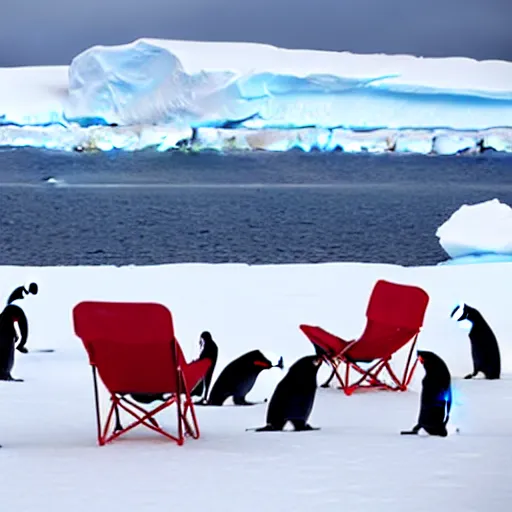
(356, 462)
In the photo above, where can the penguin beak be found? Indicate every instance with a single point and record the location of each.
(458, 313)
(280, 363)
(421, 360)
(454, 311)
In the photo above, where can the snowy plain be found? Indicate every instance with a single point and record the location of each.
(356, 462)
(165, 94)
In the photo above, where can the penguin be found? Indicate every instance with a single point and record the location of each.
(238, 378)
(209, 350)
(8, 338)
(19, 294)
(484, 345)
(293, 398)
(436, 396)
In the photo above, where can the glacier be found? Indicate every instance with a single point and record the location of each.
(170, 94)
(478, 233)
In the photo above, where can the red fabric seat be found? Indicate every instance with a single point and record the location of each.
(133, 349)
(395, 316)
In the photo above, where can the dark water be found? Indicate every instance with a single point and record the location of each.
(150, 208)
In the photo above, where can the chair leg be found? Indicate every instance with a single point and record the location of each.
(191, 425)
(328, 381)
(403, 383)
(411, 373)
(97, 405)
(187, 423)
(366, 375)
(179, 411)
(407, 377)
(335, 364)
(372, 374)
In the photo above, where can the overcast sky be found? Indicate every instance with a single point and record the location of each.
(34, 32)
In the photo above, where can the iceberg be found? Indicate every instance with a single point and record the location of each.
(479, 232)
(248, 95)
(255, 85)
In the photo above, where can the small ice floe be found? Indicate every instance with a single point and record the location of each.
(54, 181)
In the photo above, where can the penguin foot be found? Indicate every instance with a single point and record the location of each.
(9, 378)
(413, 432)
(302, 426)
(242, 401)
(267, 428)
(306, 428)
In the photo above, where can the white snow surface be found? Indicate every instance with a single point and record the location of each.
(478, 229)
(356, 462)
(154, 84)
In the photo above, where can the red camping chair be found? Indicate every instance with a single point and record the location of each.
(394, 317)
(133, 348)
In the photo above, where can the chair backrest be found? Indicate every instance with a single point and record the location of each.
(395, 315)
(397, 305)
(131, 344)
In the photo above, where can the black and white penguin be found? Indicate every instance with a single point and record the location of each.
(238, 378)
(19, 294)
(209, 350)
(436, 396)
(293, 398)
(484, 345)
